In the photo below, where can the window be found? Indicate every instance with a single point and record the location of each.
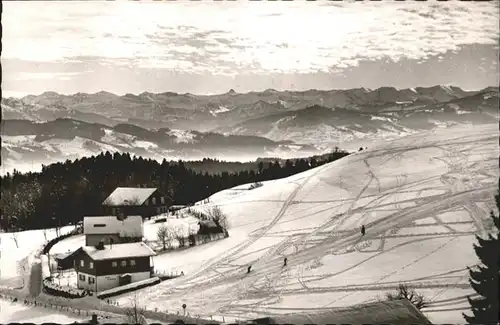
(153, 201)
(132, 262)
(162, 199)
(114, 264)
(91, 265)
(123, 263)
(82, 277)
(91, 280)
(99, 225)
(82, 263)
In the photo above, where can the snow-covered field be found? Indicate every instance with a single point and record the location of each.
(421, 197)
(27, 244)
(11, 312)
(325, 136)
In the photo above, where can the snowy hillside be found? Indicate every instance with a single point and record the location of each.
(28, 242)
(16, 312)
(422, 198)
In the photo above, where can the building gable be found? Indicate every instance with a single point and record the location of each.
(127, 250)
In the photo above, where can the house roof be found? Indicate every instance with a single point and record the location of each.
(396, 312)
(119, 251)
(131, 226)
(128, 196)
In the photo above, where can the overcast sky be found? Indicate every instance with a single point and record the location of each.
(210, 47)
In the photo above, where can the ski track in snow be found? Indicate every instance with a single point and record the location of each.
(230, 289)
(317, 229)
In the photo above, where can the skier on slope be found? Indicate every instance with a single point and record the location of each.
(249, 269)
(284, 262)
(363, 231)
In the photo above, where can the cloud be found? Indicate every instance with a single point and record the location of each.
(239, 37)
(48, 75)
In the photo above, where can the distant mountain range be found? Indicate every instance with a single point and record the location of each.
(52, 126)
(24, 141)
(333, 125)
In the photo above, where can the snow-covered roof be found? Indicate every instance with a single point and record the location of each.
(131, 226)
(128, 196)
(119, 251)
(388, 312)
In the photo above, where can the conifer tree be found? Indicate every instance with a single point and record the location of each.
(484, 280)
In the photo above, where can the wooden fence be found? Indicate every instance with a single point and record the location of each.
(110, 309)
(68, 309)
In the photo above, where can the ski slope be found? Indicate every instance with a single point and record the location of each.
(421, 197)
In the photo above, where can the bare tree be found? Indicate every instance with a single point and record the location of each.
(180, 235)
(219, 218)
(135, 313)
(164, 235)
(403, 292)
(15, 238)
(193, 230)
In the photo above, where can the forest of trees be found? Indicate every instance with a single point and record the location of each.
(62, 193)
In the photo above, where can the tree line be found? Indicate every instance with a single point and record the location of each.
(62, 193)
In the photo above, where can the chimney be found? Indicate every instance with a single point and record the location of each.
(100, 246)
(94, 319)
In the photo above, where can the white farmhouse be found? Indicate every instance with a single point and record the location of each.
(112, 230)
